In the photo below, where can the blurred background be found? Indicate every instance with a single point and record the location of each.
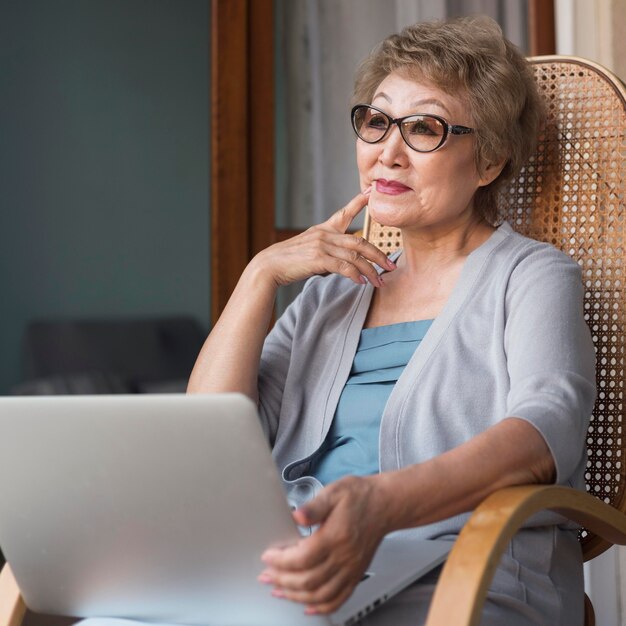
(104, 179)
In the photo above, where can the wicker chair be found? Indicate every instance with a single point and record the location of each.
(572, 194)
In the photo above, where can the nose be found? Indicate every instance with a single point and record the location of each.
(393, 149)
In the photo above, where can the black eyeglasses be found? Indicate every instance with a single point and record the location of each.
(422, 133)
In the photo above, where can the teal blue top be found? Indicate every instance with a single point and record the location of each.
(351, 446)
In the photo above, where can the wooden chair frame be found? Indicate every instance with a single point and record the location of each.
(465, 579)
(12, 607)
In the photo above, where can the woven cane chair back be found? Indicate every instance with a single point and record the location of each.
(572, 194)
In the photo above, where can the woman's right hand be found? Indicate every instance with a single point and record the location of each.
(324, 249)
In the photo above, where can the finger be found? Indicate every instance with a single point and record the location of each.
(366, 249)
(324, 608)
(306, 554)
(299, 581)
(362, 265)
(316, 510)
(371, 252)
(349, 270)
(341, 220)
(326, 598)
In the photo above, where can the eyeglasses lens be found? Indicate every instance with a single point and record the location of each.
(422, 132)
(370, 124)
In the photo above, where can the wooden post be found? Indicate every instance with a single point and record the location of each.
(541, 27)
(242, 140)
(261, 114)
(230, 228)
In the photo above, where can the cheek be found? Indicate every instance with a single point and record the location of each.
(444, 170)
(365, 159)
(465, 165)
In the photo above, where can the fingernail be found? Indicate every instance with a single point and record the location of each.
(310, 611)
(368, 190)
(277, 593)
(381, 281)
(265, 577)
(391, 264)
(363, 280)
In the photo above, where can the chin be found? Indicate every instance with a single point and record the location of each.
(387, 215)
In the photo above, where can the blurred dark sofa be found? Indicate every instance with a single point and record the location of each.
(153, 355)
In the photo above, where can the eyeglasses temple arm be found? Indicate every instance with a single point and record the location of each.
(461, 130)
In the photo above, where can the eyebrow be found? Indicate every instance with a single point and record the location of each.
(439, 103)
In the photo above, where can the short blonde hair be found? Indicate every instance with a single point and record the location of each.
(468, 57)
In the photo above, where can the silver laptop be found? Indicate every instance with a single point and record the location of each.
(158, 508)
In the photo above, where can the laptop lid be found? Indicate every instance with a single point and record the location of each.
(153, 508)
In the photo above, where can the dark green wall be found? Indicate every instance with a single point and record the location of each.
(104, 114)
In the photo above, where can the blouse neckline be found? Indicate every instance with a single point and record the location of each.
(398, 325)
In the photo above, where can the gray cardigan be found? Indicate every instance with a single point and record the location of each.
(510, 341)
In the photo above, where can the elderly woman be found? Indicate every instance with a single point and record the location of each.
(398, 393)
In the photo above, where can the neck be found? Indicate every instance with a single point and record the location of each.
(429, 248)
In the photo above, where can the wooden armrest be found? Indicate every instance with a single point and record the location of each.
(12, 607)
(463, 584)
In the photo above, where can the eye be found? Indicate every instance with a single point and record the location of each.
(423, 126)
(376, 120)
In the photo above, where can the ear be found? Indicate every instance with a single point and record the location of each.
(491, 172)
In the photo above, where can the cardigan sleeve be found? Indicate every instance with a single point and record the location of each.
(274, 367)
(550, 354)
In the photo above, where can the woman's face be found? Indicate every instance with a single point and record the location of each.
(414, 190)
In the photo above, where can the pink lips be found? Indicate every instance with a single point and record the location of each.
(390, 187)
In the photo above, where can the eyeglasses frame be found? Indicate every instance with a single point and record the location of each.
(448, 129)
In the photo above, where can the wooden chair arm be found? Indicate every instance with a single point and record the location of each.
(463, 584)
(12, 607)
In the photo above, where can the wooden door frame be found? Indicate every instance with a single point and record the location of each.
(242, 132)
(541, 28)
(242, 153)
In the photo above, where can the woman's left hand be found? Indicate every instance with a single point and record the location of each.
(322, 570)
